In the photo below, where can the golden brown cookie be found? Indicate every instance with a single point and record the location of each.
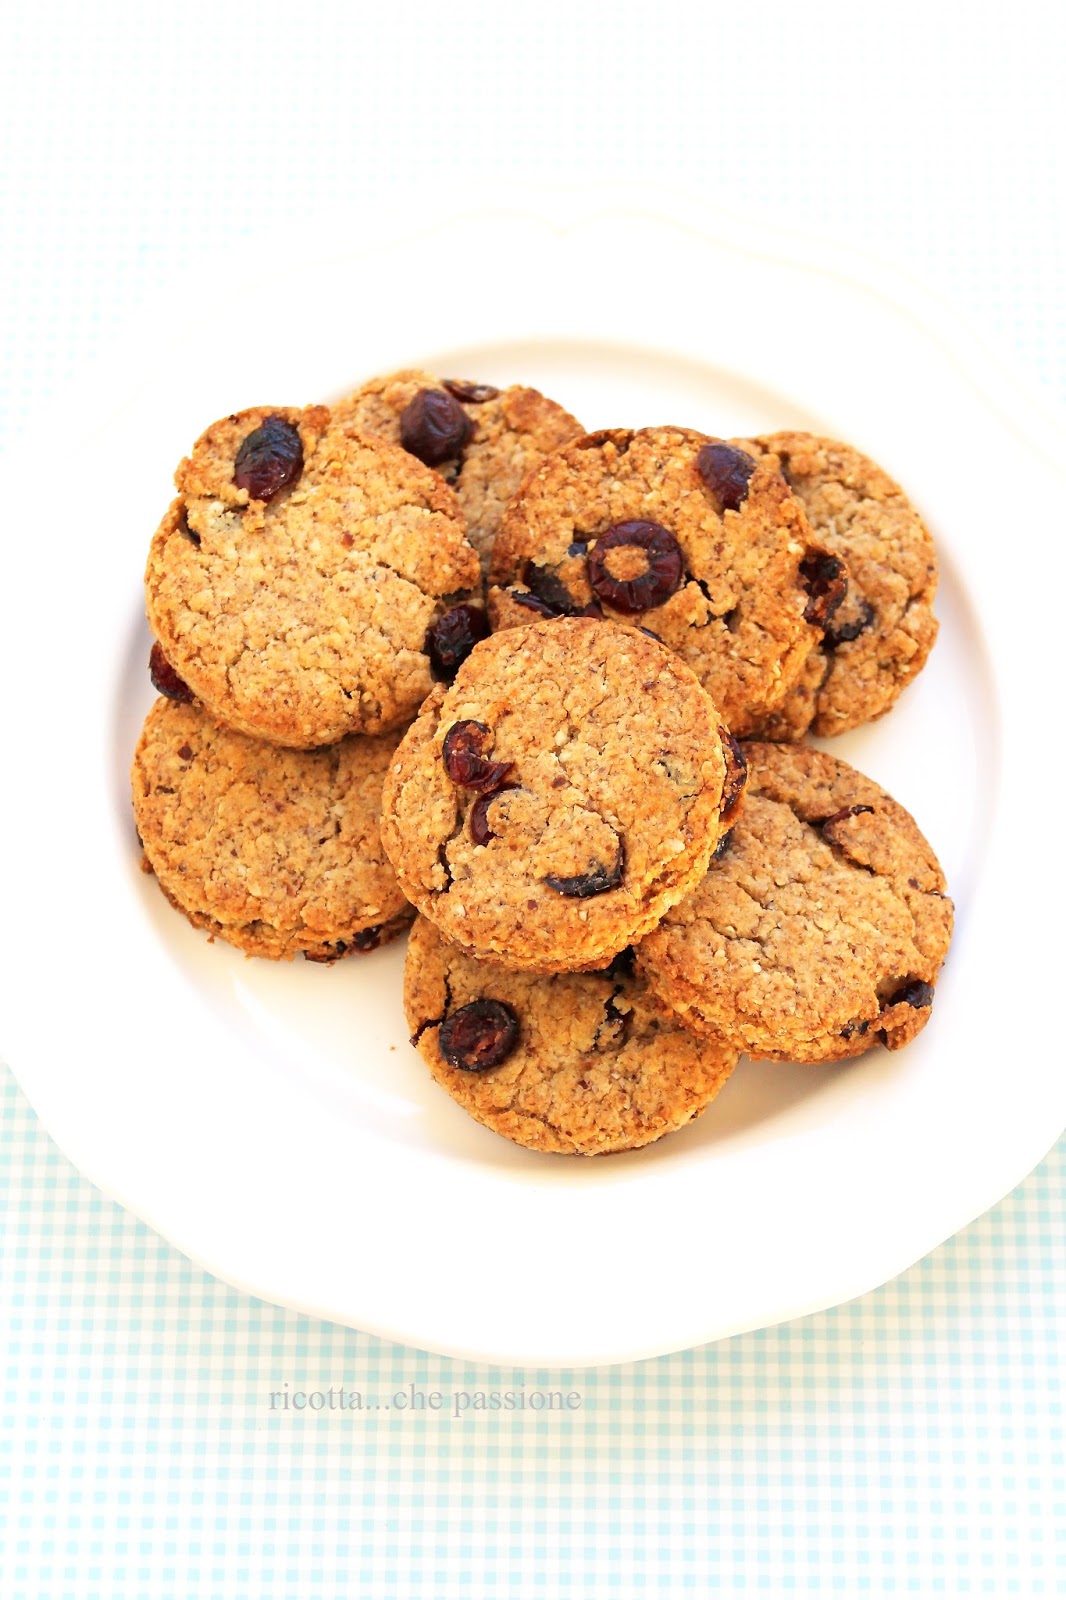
(547, 808)
(482, 440)
(292, 583)
(579, 1063)
(820, 927)
(275, 851)
(686, 536)
(878, 638)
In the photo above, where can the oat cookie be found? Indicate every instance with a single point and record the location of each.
(579, 1063)
(820, 928)
(292, 583)
(275, 851)
(483, 440)
(879, 637)
(547, 808)
(685, 536)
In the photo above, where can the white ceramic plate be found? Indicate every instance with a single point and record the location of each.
(272, 1120)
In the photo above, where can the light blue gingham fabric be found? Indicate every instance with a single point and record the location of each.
(909, 1443)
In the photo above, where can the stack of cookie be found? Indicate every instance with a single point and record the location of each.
(302, 589)
(629, 868)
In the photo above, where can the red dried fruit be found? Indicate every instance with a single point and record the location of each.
(825, 579)
(916, 994)
(596, 881)
(736, 776)
(452, 637)
(270, 458)
(478, 1036)
(663, 573)
(841, 816)
(726, 471)
(165, 680)
(434, 427)
(365, 939)
(839, 630)
(549, 589)
(474, 394)
(328, 954)
(480, 831)
(464, 762)
(850, 1029)
(532, 603)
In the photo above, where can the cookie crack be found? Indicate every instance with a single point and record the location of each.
(611, 1014)
(435, 1022)
(442, 852)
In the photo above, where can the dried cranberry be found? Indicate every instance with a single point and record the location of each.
(164, 679)
(825, 579)
(365, 939)
(585, 884)
(850, 1029)
(726, 471)
(663, 573)
(840, 631)
(736, 775)
(531, 603)
(434, 427)
(478, 1036)
(549, 589)
(474, 394)
(842, 815)
(464, 762)
(328, 954)
(916, 994)
(722, 846)
(270, 458)
(480, 831)
(452, 637)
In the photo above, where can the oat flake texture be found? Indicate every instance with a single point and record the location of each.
(821, 928)
(599, 1065)
(303, 618)
(618, 772)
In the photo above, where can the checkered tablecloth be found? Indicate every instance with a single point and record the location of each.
(153, 1443)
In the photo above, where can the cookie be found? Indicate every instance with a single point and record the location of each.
(686, 536)
(546, 809)
(293, 583)
(820, 928)
(274, 851)
(579, 1063)
(880, 635)
(483, 440)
